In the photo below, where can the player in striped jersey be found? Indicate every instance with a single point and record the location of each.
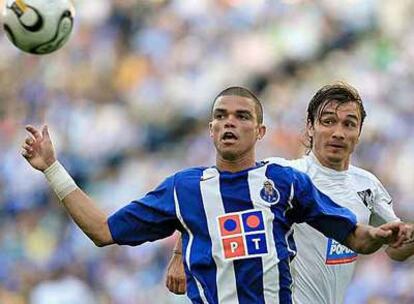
(323, 267)
(235, 217)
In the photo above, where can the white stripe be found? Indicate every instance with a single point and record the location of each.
(270, 261)
(289, 202)
(292, 193)
(188, 249)
(213, 207)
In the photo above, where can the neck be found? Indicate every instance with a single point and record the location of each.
(235, 165)
(340, 165)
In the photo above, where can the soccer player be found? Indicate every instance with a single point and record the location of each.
(237, 242)
(323, 267)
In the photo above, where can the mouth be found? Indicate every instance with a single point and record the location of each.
(337, 146)
(229, 137)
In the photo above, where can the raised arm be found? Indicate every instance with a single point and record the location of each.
(39, 152)
(367, 239)
(176, 281)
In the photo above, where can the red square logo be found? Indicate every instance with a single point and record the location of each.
(233, 247)
(229, 225)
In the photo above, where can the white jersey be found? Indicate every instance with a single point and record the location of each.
(323, 268)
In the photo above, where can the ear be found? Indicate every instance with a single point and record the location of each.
(310, 130)
(210, 128)
(261, 132)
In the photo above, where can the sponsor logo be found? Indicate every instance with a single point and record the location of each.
(243, 234)
(337, 253)
(269, 193)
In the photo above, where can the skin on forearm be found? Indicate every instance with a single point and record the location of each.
(402, 253)
(90, 219)
(176, 280)
(178, 248)
(39, 152)
(361, 240)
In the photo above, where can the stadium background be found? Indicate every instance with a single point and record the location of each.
(127, 101)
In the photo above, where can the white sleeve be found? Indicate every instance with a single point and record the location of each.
(383, 211)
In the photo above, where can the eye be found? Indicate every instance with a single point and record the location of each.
(327, 121)
(218, 116)
(350, 124)
(243, 116)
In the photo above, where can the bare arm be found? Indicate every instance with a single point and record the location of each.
(406, 250)
(90, 219)
(401, 254)
(39, 152)
(176, 281)
(367, 239)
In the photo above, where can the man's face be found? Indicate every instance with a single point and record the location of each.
(336, 133)
(234, 127)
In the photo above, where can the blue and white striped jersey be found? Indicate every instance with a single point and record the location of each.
(236, 228)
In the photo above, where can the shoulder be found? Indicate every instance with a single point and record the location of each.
(189, 174)
(299, 164)
(363, 175)
(289, 168)
(278, 161)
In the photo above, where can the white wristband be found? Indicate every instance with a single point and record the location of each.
(60, 180)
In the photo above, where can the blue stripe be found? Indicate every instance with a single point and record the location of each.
(281, 178)
(235, 193)
(203, 266)
(192, 290)
(285, 279)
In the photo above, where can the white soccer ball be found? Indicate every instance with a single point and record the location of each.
(38, 26)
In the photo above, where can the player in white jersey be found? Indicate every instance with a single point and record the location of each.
(323, 268)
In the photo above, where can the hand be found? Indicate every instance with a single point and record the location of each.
(176, 282)
(409, 233)
(38, 149)
(394, 234)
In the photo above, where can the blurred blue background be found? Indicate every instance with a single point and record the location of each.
(128, 99)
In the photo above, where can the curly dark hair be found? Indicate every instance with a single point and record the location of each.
(341, 93)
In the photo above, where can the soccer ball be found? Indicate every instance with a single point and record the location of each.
(38, 26)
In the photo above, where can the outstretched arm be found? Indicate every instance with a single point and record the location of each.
(367, 239)
(176, 281)
(39, 152)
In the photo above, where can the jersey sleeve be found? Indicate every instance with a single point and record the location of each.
(382, 206)
(318, 210)
(150, 218)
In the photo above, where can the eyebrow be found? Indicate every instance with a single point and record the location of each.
(218, 110)
(334, 113)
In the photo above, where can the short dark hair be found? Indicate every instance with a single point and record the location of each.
(242, 92)
(339, 92)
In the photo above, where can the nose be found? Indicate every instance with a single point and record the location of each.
(338, 132)
(230, 122)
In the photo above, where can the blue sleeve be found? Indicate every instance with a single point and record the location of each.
(150, 218)
(318, 210)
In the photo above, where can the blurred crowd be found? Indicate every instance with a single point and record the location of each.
(128, 99)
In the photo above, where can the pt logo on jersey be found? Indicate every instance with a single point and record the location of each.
(242, 234)
(336, 253)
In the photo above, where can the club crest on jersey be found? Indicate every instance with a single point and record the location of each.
(367, 198)
(336, 253)
(269, 193)
(242, 234)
